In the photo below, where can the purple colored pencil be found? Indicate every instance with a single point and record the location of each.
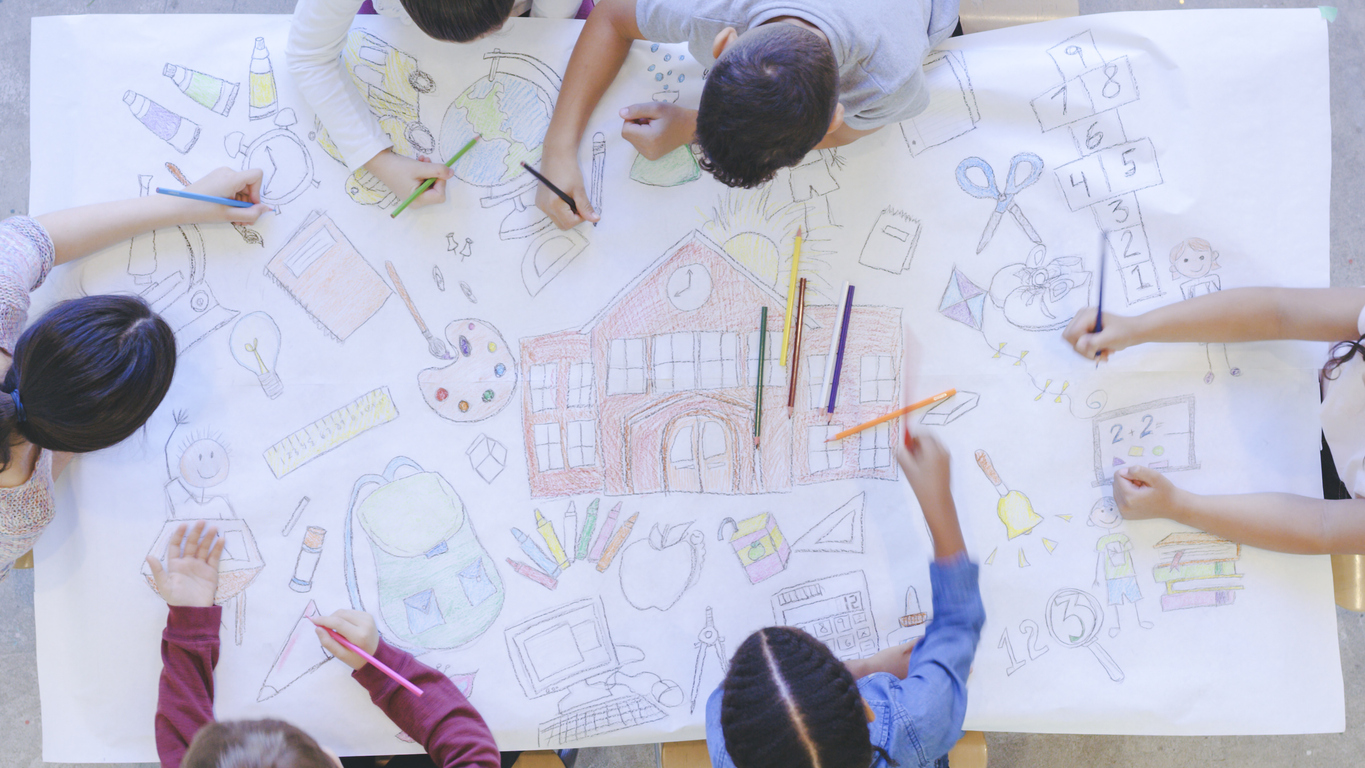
(839, 356)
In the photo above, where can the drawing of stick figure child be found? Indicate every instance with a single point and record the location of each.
(203, 463)
(1195, 260)
(1115, 561)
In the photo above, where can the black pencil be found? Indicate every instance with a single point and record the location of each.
(1099, 294)
(562, 195)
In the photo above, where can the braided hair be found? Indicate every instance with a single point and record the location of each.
(789, 703)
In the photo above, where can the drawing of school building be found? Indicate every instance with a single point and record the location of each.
(656, 393)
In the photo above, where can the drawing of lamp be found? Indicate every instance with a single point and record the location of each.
(255, 345)
(510, 111)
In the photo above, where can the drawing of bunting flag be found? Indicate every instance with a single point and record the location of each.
(963, 301)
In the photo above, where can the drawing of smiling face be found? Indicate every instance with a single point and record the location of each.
(1193, 258)
(1105, 513)
(204, 463)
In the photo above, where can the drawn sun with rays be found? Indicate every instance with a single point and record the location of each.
(759, 233)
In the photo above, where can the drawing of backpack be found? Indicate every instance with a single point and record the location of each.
(437, 587)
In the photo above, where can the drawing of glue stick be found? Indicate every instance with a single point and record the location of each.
(264, 101)
(213, 92)
(307, 564)
(167, 125)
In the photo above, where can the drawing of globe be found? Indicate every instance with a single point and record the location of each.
(510, 115)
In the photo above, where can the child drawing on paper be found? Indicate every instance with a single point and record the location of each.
(1115, 562)
(203, 463)
(1195, 260)
(787, 665)
(453, 732)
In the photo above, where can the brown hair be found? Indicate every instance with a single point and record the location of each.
(254, 744)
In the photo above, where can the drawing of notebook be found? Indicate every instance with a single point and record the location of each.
(328, 277)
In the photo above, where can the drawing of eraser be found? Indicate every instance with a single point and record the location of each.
(951, 410)
(1135, 451)
(1159, 464)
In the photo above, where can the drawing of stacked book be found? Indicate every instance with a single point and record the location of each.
(1199, 570)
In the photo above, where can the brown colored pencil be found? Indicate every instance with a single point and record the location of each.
(796, 346)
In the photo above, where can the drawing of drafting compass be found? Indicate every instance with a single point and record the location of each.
(708, 639)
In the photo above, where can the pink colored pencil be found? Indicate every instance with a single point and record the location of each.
(534, 574)
(379, 665)
(604, 534)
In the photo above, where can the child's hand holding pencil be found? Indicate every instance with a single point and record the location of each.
(356, 626)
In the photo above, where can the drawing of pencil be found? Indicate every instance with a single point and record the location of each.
(604, 534)
(549, 582)
(534, 552)
(570, 531)
(599, 164)
(839, 356)
(547, 532)
(585, 537)
(616, 543)
(796, 346)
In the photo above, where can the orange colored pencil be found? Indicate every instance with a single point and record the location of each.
(604, 562)
(894, 415)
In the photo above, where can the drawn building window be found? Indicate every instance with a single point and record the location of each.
(772, 353)
(815, 371)
(719, 366)
(543, 379)
(874, 447)
(580, 385)
(626, 367)
(549, 450)
(582, 443)
(675, 362)
(825, 456)
(878, 379)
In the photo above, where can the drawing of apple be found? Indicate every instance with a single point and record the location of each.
(656, 572)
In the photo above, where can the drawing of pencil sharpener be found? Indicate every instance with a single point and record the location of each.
(759, 544)
(912, 623)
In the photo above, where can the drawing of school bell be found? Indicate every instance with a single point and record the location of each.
(284, 160)
(183, 298)
(435, 585)
(1014, 508)
(1041, 294)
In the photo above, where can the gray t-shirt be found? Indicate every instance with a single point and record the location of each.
(879, 44)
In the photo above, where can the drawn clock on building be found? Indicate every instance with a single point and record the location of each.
(689, 287)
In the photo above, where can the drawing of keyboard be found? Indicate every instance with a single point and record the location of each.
(835, 610)
(598, 718)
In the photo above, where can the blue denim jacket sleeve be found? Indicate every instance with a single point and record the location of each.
(715, 740)
(928, 706)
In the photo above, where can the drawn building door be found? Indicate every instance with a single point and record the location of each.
(699, 455)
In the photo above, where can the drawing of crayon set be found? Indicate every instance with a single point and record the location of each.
(759, 544)
(549, 562)
(1198, 569)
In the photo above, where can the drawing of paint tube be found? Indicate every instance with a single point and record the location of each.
(599, 164)
(213, 92)
(264, 101)
(307, 564)
(167, 125)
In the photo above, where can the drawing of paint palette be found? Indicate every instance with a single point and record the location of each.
(1158, 435)
(480, 382)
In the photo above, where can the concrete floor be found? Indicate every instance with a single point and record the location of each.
(20, 724)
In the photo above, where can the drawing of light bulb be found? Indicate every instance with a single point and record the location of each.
(255, 344)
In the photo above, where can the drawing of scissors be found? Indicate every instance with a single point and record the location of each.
(708, 639)
(1004, 199)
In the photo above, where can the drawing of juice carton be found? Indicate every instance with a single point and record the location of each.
(759, 544)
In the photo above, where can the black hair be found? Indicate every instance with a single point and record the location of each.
(458, 21)
(1341, 352)
(254, 744)
(787, 702)
(89, 373)
(766, 103)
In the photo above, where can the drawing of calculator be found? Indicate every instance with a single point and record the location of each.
(835, 610)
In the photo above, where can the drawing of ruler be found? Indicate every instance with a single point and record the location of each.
(369, 410)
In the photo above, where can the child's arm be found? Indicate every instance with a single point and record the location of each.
(843, 135)
(77, 232)
(442, 720)
(1237, 314)
(1282, 522)
(925, 463)
(189, 644)
(597, 57)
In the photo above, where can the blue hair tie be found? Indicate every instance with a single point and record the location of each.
(18, 406)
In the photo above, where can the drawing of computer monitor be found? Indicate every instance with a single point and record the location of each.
(567, 648)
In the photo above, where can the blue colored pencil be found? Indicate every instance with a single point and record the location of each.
(839, 356)
(538, 556)
(204, 198)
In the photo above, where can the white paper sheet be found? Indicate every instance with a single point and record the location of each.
(628, 362)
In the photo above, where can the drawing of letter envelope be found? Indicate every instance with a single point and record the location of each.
(759, 544)
(435, 585)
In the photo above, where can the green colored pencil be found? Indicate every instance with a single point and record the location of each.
(427, 184)
(585, 537)
(762, 352)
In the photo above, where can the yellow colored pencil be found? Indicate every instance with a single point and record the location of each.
(604, 562)
(791, 295)
(894, 415)
(547, 532)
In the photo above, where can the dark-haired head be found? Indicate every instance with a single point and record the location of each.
(458, 21)
(789, 703)
(255, 744)
(769, 99)
(89, 373)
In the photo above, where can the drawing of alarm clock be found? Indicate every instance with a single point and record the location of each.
(480, 382)
(283, 158)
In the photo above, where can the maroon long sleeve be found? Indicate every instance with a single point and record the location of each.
(184, 703)
(441, 719)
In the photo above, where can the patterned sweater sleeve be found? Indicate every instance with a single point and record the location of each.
(26, 256)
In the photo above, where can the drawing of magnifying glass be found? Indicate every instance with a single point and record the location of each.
(1074, 618)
